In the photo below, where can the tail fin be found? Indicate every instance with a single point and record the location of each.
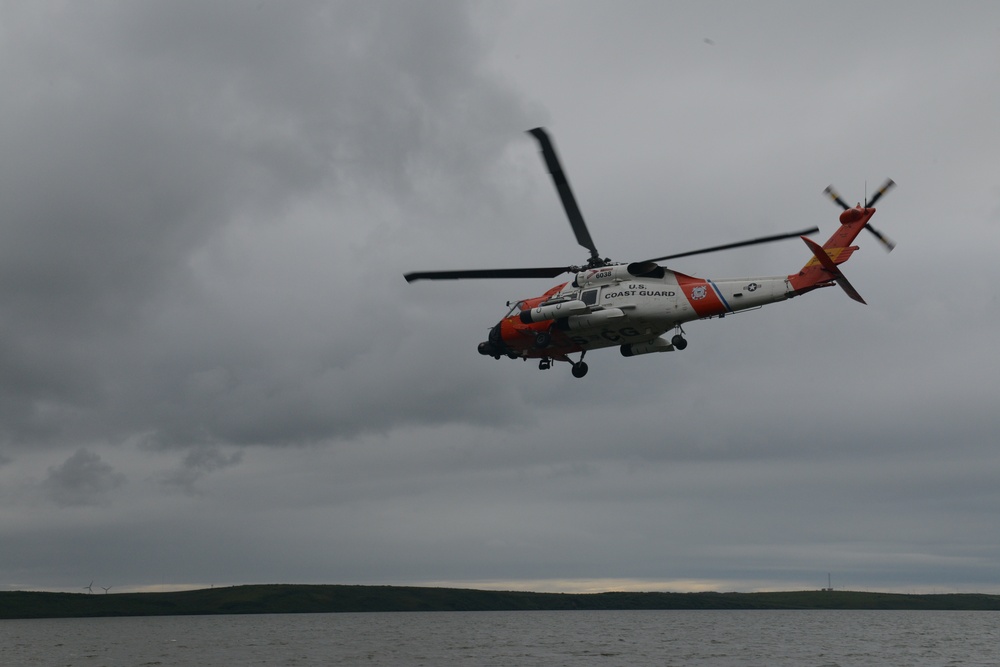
(822, 270)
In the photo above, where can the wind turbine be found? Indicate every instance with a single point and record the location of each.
(106, 589)
(89, 587)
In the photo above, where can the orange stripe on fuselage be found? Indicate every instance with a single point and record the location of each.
(701, 295)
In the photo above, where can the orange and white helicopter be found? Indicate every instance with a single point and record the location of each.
(632, 305)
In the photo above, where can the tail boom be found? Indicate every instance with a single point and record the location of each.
(830, 268)
(822, 269)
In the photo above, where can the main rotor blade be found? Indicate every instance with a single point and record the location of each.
(537, 272)
(565, 193)
(878, 195)
(835, 197)
(740, 244)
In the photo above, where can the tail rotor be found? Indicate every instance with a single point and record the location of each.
(888, 243)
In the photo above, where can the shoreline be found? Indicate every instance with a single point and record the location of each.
(339, 598)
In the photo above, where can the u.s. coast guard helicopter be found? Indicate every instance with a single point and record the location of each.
(632, 305)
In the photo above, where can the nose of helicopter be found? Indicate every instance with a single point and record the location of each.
(493, 347)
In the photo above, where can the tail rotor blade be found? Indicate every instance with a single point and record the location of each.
(886, 241)
(878, 195)
(565, 193)
(832, 194)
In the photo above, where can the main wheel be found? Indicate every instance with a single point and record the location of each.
(579, 369)
(679, 342)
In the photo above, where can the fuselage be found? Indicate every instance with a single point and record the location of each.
(613, 306)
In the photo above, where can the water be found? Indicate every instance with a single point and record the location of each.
(600, 638)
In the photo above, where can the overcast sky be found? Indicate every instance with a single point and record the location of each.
(212, 371)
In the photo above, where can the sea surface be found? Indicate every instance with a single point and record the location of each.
(600, 638)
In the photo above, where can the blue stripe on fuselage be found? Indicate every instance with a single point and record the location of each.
(718, 293)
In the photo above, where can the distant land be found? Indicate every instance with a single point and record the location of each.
(305, 599)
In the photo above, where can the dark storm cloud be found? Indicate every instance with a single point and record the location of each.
(82, 479)
(141, 139)
(199, 462)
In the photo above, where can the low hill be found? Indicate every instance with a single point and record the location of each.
(283, 598)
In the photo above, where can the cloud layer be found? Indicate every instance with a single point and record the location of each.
(212, 371)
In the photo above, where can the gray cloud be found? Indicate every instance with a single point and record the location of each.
(199, 462)
(82, 479)
(137, 168)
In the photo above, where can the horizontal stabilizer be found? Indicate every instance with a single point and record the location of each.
(830, 267)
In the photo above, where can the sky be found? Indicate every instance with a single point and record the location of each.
(212, 371)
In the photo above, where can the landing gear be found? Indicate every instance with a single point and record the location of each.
(579, 368)
(679, 341)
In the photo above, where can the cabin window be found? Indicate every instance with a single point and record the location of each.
(589, 297)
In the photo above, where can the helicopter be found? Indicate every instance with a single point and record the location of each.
(634, 305)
